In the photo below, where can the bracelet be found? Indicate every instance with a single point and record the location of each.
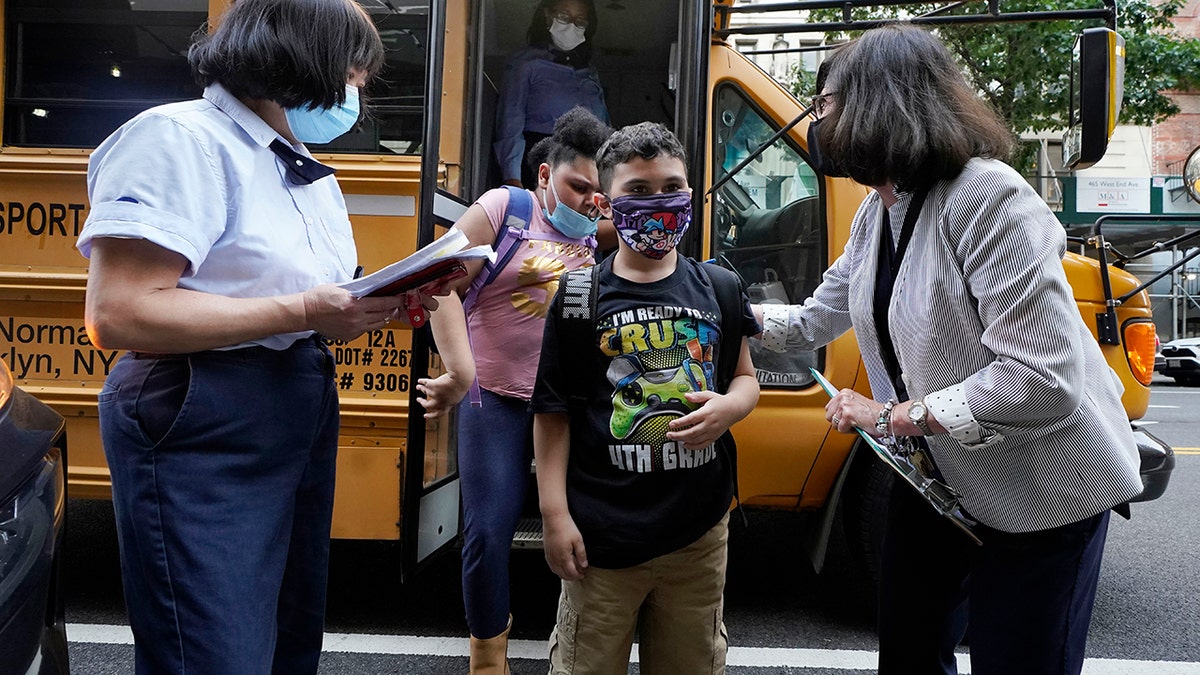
(885, 418)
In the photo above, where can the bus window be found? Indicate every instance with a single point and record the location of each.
(769, 223)
(396, 116)
(75, 70)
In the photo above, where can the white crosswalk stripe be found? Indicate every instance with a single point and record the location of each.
(754, 657)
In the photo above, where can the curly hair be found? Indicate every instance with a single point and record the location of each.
(293, 52)
(577, 133)
(904, 112)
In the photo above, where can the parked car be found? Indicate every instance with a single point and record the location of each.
(33, 637)
(1181, 360)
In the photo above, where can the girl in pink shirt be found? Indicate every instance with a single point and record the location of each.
(491, 330)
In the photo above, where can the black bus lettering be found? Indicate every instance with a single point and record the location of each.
(26, 333)
(85, 361)
(50, 219)
(24, 364)
(385, 382)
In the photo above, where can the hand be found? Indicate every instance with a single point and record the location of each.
(333, 312)
(515, 182)
(703, 426)
(442, 393)
(849, 409)
(564, 547)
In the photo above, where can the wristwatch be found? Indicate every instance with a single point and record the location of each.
(917, 414)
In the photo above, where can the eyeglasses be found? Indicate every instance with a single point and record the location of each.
(565, 17)
(821, 103)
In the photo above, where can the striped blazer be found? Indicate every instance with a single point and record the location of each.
(987, 331)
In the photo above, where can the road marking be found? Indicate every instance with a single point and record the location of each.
(1187, 451)
(754, 657)
(1163, 406)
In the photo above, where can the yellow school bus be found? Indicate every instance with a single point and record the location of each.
(74, 70)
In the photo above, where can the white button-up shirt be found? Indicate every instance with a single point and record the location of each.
(199, 178)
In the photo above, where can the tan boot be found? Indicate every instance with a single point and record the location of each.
(490, 656)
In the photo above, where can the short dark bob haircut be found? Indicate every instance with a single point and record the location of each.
(294, 52)
(904, 112)
(645, 139)
(577, 134)
(539, 32)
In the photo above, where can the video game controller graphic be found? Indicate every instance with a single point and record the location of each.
(640, 395)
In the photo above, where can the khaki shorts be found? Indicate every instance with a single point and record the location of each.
(675, 603)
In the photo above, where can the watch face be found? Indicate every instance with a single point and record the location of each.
(916, 411)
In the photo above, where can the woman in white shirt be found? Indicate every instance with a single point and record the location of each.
(216, 243)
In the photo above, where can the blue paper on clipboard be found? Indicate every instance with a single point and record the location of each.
(914, 467)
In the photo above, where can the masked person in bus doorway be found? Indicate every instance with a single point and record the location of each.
(953, 283)
(645, 366)
(544, 80)
(537, 236)
(215, 242)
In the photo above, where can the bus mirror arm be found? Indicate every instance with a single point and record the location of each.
(759, 150)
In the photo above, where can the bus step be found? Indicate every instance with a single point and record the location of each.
(529, 533)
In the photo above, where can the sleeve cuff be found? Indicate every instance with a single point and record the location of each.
(128, 220)
(950, 409)
(775, 327)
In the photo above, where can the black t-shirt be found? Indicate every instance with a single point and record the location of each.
(633, 494)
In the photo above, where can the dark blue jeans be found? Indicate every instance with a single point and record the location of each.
(494, 453)
(223, 471)
(1025, 599)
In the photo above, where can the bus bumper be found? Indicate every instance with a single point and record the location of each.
(1158, 461)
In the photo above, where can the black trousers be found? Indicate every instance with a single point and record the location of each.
(1026, 599)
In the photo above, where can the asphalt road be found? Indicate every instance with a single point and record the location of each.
(782, 618)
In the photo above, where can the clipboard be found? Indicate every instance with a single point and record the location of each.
(915, 469)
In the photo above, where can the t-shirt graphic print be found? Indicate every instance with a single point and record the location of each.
(659, 354)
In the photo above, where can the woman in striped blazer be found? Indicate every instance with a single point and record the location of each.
(953, 283)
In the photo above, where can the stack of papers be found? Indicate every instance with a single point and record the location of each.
(438, 263)
(916, 469)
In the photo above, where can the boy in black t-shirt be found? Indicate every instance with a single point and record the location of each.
(635, 477)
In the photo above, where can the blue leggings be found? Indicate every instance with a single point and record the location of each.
(494, 453)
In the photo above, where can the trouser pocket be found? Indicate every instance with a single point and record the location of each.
(562, 640)
(162, 396)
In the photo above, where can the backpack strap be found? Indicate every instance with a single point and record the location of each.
(517, 215)
(727, 287)
(516, 219)
(577, 326)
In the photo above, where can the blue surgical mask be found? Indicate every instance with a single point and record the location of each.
(568, 221)
(322, 125)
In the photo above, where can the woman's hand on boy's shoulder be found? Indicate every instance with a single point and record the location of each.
(564, 549)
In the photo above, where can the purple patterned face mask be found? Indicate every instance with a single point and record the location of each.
(652, 225)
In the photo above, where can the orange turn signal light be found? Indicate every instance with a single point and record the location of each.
(1140, 340)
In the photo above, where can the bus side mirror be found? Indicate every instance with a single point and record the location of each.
(1191, 174)
(1097, 86)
